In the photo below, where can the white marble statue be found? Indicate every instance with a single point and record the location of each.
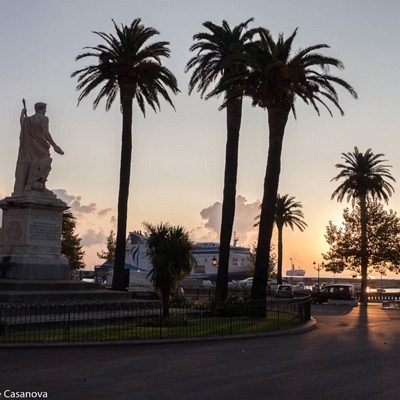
(34, 161)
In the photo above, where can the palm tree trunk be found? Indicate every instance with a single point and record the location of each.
(234, 117)
(364, 251)
(280, 255)
(277, 118)
(121, 275)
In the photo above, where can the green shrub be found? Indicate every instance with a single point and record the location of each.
(231, 307)
(200, 305)
(3, 326)
(178, 301)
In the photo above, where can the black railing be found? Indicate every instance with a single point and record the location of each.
(90, 322)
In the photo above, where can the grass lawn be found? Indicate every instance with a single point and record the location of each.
(180, 326)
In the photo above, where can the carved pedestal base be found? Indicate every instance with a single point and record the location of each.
(31, 237)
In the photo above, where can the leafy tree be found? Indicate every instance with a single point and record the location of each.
(272, 261)
(383, 241)
(128, 66)
(274, 78)
(364, 178)
(109, 255)
(71, 246)
(170, 253)
(287, 213)
(217, 50)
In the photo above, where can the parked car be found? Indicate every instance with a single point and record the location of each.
(316, 288)
(246, 283)
(334, 292)
(284, 290)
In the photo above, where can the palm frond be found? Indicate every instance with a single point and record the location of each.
(124, 57)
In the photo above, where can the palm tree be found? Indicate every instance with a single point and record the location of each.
(169, 249)
(274, 79)
(216, 52)
(364, 178)
(287, 213)
(127, 66)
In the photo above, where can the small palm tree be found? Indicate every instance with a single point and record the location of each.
(274, 78)
(128, 66)
(217, 50)
(364, 178)
(287, 213)
(170, 253)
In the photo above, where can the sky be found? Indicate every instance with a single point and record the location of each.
(179, 155)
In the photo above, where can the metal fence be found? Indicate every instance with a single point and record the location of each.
(138, 320)
(374, 297)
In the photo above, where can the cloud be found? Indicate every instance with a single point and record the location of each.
(90, 209)
(245, 214)
(102, 213)
(92, 237)
(75, 203)
(202, 234)
(89, 226)
(113, 221)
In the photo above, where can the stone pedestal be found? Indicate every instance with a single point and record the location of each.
(31, 237)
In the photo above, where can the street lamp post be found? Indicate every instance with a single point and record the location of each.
(291, 268)
(318, 268)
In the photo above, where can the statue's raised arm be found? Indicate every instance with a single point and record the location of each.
(34, 161)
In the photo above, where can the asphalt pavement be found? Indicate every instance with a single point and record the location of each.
(354, 353)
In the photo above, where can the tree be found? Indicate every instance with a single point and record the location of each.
(272, 261)
(364, 179)
(274, 79)
(383, 241)
(109, 255)
(127, 66)
(217, 50)
(71, 246)
(170, 253)
(287, 213)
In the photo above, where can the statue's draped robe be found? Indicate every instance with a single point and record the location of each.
(32, 144)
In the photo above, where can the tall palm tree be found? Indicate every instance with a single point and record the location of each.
(274, 78)
(128, 66)
(215, 58)
(364, 178)
(287, 213)
(170, 252)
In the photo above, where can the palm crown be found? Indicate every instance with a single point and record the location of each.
(218, 52)
(364, 175)
(273, 77)
(125, 64)
(288, 213)
(169, 249)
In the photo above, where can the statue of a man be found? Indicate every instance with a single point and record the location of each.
(34, 162)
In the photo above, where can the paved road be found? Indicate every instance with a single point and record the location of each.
(353, 354)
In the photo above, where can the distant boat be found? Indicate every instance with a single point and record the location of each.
(295, 272)
(206, 254)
